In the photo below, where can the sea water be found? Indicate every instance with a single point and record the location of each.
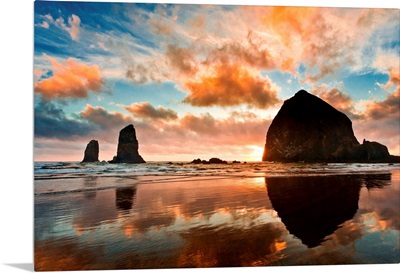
(177, 214)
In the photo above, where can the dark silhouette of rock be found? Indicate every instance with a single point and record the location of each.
(235, 162)
(91, 152)
(213, 160)
(196, 161)
(128, 146)
(124, 197)
(314, 207)
(374, 150)
(307, 128)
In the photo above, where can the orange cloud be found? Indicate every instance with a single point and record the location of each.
(394, 77)
(288, 20)
(386, 108)
(324, 40)
(146, 110)
(71, 79)
(337, 99)
(102, 117)
(229, 85)
(381, 122)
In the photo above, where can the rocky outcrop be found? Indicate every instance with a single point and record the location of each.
(216, 160)
(91, 152)
(213, 160)
(128, 147)
(374, 150)
(307, 128)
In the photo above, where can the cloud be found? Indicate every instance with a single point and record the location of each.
(230, 85)
(74, 21)
(251, 51)
(138, 68)
(326, 41)
(385, 60)
(182, 59)
(381, 122)
(394, 77)
(102, 46)
(73, 27)
(386, 108)
(50, 121)
(160, 26)
(105, 119)
(38, 73)
(337, 99)
(146, 110)
(44, 24)
(71, 79)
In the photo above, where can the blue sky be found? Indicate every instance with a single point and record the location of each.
(101, 66)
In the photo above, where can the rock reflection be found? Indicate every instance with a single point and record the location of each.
(376, 181)
(90, 182)
(313, 207)
(124, 198)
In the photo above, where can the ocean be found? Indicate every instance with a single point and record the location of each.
(176, 214)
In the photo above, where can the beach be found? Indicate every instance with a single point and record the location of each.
(179, 215)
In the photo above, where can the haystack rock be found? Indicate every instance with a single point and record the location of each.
(128, 147)
(307, 128)
(91, 152)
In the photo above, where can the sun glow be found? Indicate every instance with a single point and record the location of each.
(257, 152)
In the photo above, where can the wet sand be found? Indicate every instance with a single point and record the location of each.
(170, 222)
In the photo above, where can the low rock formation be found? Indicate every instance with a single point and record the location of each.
(213, 160)
(128, 146)
(198, 161)
(307, 128)
(373, 150)
(91, 152)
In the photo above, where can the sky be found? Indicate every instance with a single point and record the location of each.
(202, 81)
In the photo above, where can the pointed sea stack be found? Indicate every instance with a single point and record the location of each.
(91, 152)
(307, 128)
(128, 147)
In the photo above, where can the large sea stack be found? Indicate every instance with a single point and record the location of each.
(128, 147)
(91, 152)
(307, 128)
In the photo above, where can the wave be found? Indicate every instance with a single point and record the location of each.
(54, 169)
(71, 177)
